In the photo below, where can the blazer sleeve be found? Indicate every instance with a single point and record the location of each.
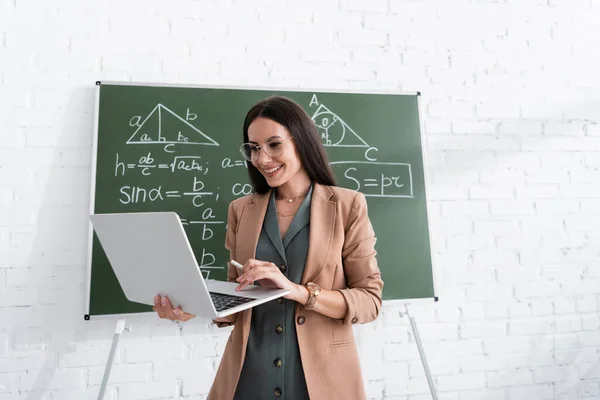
(363, 277)
(232, 274)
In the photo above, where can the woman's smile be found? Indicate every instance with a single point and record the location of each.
(272, 170)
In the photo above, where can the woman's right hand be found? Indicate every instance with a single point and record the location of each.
(164, 309)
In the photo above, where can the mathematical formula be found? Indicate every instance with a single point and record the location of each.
(184, 179)
(376, 179)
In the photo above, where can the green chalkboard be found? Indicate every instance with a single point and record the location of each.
(174, 148)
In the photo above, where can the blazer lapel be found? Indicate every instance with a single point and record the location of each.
(250, 226)
(322, 217)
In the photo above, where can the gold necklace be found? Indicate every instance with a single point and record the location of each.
(292, 199)
(285, 216)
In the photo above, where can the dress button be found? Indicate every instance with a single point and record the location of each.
(354, 320)
(282, 268)
(278, 363)
(300, 320)
(280, 300)
(277, 392)
(279, 329)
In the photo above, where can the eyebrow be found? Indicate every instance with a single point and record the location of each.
(269, 138)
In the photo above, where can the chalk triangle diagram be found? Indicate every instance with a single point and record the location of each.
(163, 126)
(335, 131)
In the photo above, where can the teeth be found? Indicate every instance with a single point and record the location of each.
(268, 171)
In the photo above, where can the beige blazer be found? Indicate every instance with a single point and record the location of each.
(341, 256)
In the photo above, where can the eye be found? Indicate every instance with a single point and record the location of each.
(254, 149)
(273, 145)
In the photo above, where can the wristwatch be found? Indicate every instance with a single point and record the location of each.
(313, 292)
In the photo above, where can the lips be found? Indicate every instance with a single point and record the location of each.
(272, 170)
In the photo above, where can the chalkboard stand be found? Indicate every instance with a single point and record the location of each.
(111, 355)
(415, 330)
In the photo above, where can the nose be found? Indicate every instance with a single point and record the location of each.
(262, 153)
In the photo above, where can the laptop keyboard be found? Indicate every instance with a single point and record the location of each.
(225, 301)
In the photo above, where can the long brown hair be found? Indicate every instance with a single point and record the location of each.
(306, 137)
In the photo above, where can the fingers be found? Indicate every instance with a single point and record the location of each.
(256, 273)
(163, 307)
(158, 307)
(252, 263)
(250, 275)
(245, 279)
(255, 270)
(168, 308)
(243, 284)
(165, 310)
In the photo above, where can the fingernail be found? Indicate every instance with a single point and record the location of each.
(164, 301)
(156, 300)
(176, 312)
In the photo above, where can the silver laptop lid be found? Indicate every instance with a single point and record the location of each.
(150, 254)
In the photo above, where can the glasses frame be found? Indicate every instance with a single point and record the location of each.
(263, 148)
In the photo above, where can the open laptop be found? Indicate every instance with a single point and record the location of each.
(150, 254)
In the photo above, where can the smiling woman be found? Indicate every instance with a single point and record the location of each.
(280, 119)
(300, 232)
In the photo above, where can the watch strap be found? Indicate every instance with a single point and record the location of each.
(313, 292)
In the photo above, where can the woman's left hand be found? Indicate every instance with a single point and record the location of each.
(266, 273)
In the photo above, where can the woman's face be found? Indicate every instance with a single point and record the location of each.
(277, 169)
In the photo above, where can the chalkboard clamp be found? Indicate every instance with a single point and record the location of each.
(418, 93)
(98, 82)
(86, 317)
(435, 298)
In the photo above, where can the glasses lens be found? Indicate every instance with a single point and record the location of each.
(248, 151)
(274, 148)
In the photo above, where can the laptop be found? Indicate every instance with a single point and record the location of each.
(150, 254)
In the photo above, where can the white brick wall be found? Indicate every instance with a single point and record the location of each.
(512, 120)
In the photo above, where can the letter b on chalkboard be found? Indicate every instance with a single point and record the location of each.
(207, 233)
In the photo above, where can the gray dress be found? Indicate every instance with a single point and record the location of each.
(272, 368)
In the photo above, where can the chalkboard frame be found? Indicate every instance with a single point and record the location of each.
(94, 149)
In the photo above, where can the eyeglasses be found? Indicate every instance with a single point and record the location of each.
(272, 148)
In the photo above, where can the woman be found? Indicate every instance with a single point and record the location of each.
(297, 231)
